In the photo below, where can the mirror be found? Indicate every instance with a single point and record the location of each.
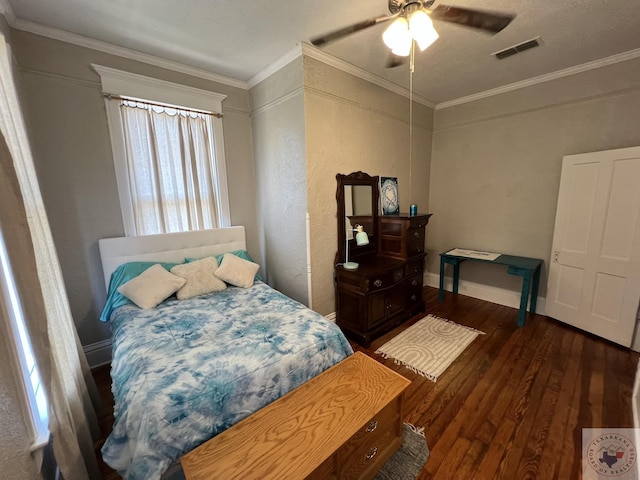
(357, 197)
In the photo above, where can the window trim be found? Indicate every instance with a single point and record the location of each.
(118, 82)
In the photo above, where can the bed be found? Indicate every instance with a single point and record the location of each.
(187, 369)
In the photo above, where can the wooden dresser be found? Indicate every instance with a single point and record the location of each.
(343, 424)
(386, 289)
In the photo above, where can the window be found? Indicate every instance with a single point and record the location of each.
(168, 150)
(33, 390)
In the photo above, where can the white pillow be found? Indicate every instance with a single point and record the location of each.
(151, 287)
(237, 271)
(200, 278)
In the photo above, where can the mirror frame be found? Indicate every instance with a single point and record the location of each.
(357, 178)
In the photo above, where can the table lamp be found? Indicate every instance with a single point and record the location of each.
(361, 239)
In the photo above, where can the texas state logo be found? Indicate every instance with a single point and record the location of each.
(610, 454)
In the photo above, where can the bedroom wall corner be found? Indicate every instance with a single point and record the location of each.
(278, 132)
(351, 125)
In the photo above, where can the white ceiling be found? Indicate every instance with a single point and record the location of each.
(242, 39)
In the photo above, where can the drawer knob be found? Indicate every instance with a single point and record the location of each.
(413, 298)
(416, 234)
(372, 453)
(414, 283)
(372, 426)
(377, 283)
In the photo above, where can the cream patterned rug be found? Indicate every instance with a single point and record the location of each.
(429, 346)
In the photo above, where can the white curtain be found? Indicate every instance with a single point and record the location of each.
(171, 164)
(65, 374)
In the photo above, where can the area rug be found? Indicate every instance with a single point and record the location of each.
(410, 458)
(429, 346)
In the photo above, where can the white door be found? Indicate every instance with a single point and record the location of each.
(594, 276)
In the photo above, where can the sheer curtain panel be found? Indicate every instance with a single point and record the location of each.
(171, 168)
(71, 392)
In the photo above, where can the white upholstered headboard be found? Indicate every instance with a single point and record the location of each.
(168, 247)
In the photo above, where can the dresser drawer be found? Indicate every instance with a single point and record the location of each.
(415, 242)
(367, 447)
(384, 421)
(418, 222)
(414, 283)
(414, 266)
(385, 280)
(369, 457)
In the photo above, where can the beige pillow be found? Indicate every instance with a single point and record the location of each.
(151, 287)
(200, 278)
(237, 271)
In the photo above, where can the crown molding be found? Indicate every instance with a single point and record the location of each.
(330, 60)
(82, 41)
(300, 49)
(621, 57)
(7, 11)
(317, 54)
(281, 62)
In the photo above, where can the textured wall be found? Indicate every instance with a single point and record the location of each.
(68, 130)
(281, 179)
(353, 125)
(310, 122)
(496, 163)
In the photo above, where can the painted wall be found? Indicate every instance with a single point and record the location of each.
(281, 179)
(312, 121)
(496, 162)
(353, 125)
(68, 130)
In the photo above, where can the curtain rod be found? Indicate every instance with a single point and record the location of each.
(155, 104)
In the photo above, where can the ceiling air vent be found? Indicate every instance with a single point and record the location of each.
(521, 47)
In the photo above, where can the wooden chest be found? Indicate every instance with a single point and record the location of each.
(343, 424)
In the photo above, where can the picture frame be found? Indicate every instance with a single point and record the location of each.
(389, 195)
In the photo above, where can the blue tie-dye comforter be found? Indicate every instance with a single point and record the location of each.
(187, 370)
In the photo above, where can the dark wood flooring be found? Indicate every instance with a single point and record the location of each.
(513, 405)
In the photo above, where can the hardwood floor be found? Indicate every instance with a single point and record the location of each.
(513, 405)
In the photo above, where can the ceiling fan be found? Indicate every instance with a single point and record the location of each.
(412, 21)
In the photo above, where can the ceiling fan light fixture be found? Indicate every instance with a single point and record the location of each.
(397, 37)
(421, 29)
(403, 49)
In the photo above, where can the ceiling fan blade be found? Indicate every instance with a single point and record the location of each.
(487, 21)
(343, 32)
(395, 61)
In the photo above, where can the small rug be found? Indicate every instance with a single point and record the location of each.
(408, 461)
(429, 346)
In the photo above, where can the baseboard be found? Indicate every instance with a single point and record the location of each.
(331, 316)
(98, 353)
(508, 298)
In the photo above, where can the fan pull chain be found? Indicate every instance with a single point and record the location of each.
(411, 69)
